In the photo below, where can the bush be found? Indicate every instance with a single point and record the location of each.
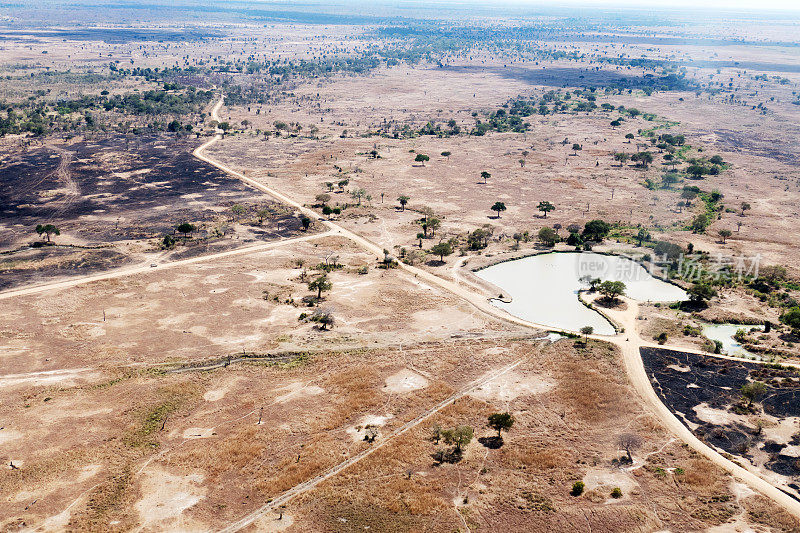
(577, 488)
(616, 493)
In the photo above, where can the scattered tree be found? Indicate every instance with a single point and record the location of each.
(629, 442)
(700, 292)
(622, 158)
(238, 210)
(320, 284)
(500, 422)
(548, 236)
(752, 392)
(499, 207)
(442, 249)
(642, 236)
(47, 230)
(485, 176)
(724, 234)
(545, 207)
(792, 319)
(611, 290)
(403, 201)
(596, 230)
(186, 228)
(459, 437)
(358, 194)
(586, 331)
(421, 158)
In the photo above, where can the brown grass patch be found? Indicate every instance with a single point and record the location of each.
(538, 455)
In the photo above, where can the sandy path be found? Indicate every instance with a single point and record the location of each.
(313, 482)
(629, 343)
(634, 367)
(145, 267)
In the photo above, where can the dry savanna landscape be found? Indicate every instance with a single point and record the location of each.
(273, 266)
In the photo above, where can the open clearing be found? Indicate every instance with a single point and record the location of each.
(282, 330)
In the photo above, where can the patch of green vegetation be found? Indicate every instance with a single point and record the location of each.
(153, 418)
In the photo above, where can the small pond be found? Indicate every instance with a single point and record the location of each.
(544, 288)
(724, 333)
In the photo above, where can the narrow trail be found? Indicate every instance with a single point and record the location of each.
(145, 267)
(629, 342)
(309, 484)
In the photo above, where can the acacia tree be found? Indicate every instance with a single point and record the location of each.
(403, 201)
(611, 289)
(630, 442)
(320, 284)
(724, 234)
(442, 249)
(500, 422)
(421, 158)
(586, 331)
(752, 392)
(459, 437)
(745, 207)
(485, 176)
(47, 230)
(447, 155)
(545, 207)
(499, 206)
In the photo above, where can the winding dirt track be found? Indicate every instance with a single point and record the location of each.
(138, 269)
(629, 343)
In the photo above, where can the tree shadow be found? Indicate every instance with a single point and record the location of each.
(493, 443)
(450, 456)
(692, 306)
(435, 263)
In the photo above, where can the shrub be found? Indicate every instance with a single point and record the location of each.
(577, 488)
(616, 493)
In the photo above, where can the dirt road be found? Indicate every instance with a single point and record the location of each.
(313, 482)
(629, 343)
(146, 267)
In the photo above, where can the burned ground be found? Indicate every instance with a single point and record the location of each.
(115, 189)
(705, 392)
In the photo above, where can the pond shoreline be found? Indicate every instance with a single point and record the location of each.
(533, 253)
(510, 289)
